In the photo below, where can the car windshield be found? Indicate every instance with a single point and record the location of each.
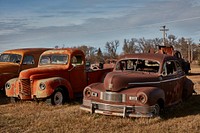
(53, 59)
(138, 65)
(15, 58)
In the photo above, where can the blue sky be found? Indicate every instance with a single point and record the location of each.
(46, 23)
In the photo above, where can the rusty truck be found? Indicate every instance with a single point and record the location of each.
(13, 61)
(61, 75)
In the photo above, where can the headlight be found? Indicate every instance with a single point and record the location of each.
(42, 86)
(142, 97)
(7, 86)
(87, 92)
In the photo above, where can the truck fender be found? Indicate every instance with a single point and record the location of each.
(56, 82)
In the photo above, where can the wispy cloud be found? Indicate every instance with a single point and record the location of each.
(48, 22)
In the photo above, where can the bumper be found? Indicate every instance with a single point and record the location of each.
(117, 110)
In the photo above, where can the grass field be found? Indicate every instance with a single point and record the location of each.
(32, 117)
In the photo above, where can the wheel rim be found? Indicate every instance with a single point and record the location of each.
(58, 98)
(156, 110)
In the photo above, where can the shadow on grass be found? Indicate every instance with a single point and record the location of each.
(4, 99)
(193, 74)
(186, 108)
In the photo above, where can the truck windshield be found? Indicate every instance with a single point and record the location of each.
(53, 59)
(138, 65)
(15, 58)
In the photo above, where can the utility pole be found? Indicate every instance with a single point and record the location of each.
(188, 50)
(164, 30)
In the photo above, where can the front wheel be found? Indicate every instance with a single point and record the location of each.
(14, 100)
(156, 110)
(58, 97)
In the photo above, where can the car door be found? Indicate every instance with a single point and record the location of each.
(180, 81)
(169, 81)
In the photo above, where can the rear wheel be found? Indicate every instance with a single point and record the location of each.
(58, 97)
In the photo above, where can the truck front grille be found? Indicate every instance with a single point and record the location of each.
(113, 97)
(25, 88)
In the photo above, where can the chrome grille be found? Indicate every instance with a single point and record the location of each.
(113, 108)
(25, 87)
(113, 97)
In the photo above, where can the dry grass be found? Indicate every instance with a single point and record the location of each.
(32, 117)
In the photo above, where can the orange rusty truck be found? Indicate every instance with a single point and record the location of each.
(15, 60)
(61, 75)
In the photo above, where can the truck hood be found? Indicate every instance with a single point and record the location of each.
(6, 67)
(46, 70)
(115, 81)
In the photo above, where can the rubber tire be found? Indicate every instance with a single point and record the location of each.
(156, 111)
(58, 97)
(14, 100)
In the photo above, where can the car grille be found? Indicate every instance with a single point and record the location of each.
(113, 97)
(25, 87)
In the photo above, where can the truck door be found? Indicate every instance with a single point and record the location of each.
(77, 74)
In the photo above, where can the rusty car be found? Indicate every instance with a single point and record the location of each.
(141, 85)
(13, 61)
(60, 76)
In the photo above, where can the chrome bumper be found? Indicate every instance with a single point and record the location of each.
(117, 110)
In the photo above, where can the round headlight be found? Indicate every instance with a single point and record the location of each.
(42, 86)
(7, 86)
(87, 92)
(142, 98)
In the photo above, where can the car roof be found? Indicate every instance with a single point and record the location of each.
(26, 50)
(63, 51)
(152, 56)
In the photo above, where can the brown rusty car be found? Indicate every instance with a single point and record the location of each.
(139, 86)
(15, 60)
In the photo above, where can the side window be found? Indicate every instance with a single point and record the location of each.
(77, 60)
(29, 59)
(130, 65)
(169, 68)
(121, 65)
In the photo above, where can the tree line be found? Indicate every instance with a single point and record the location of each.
(189, 50)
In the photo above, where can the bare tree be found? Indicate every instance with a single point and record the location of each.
(111, 48)
(130, 46)
(146, 44)
(172, 39)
